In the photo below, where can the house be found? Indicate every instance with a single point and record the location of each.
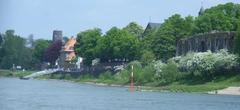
(68, 58)
(151, 27)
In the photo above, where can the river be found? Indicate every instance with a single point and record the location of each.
(16, 94)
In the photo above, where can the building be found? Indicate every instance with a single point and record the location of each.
(151, 27)
(57, 35)
(208, 41)
(68, 57)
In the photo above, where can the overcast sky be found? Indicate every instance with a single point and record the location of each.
(41, 17)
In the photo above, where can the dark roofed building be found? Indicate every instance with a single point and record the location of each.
(201, 11)
(151, 26)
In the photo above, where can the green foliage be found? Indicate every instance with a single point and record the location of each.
(39, 49)
(106, 76)
(86, 44)
(147, 57)
(1, 39)
(166, 73)
(142, 75)
(135, 29)
(163, 44)
(117, 44)
(13, 51)
(220, 18)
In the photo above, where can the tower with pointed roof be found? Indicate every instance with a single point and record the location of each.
(201, 11)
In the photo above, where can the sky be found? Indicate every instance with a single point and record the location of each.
(41, 17)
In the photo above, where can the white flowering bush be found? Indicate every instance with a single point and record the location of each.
(207, 62)
(158, 66)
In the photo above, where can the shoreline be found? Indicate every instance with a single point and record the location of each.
(230, 90)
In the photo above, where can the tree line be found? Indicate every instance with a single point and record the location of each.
(121, 44)
(160, 44)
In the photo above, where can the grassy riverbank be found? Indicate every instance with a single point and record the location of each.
(9, 73)
(183, 85)
(220, 82)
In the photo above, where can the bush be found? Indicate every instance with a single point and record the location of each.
(147, 57)
(207, 63)
(142, 75)
(106, 76)
(166, 73)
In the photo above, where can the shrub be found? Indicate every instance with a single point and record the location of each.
(106, 76)
(166, 73)
(141, 74)
(207, 63)
(147, 57)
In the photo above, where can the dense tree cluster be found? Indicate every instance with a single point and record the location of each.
(219, 18)
(126, 44)
(130, 43)
(13, 51)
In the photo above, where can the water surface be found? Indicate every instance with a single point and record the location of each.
(16, 94)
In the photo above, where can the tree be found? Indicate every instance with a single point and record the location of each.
(1, 39)
(219, 18)
(118, 44)
(163, 43)
(86, 43)
(14, 51)
(237, 41)
(135, 29)
(147, 57)
(39, 49)
(53, 52)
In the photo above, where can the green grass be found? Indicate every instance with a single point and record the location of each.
(8, 73)
(219, 83)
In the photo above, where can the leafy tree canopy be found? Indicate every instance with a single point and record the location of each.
(86, 43)
(135, 29)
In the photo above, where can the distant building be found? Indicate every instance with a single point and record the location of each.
(151, 27)
(57, 35)
(201, 11)
(208, 41)
(68, 57)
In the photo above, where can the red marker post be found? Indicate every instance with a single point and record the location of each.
(132, 84)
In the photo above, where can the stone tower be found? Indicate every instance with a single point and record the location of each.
(57, 35)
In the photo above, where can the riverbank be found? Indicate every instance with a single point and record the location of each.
(219, 84)
(178, 86)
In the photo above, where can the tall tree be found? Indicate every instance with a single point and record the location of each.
(39, 49)
(53, 52)
(14, 51)
(1, 39)
(118, 44)
(163, 43)
(135, 29)
(223, 17)
(86, 43)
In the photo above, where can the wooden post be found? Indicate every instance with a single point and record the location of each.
(132, 84)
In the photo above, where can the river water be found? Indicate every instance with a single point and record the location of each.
(16, 94)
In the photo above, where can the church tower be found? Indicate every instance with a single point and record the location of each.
(201, 11)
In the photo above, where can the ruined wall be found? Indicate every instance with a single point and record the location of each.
(203, 42)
